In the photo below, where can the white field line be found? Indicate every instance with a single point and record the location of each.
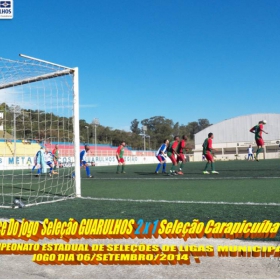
(181, 201)
(182, 178)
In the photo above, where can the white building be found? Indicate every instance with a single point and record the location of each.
(232, 137)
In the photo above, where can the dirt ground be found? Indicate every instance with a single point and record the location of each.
(21, 266)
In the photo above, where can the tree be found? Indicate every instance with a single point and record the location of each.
(203, 123)
(134, 126)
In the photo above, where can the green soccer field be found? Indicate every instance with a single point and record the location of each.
(242, 191)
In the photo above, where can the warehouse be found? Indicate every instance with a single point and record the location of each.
(232, 137)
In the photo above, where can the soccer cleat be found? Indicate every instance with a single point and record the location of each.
(123, 172)
(180, 173)
(214, 172)
(169, 174)
(156, 172)
(175, 173)
(206, 172)
(256, 158)
(164, 172)
(90, 176)
(50, 174)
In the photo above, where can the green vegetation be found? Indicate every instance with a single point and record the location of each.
(40, 125)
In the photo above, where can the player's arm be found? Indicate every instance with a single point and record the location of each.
(253, 129)
(263, 131)
(82, 156)
(162, 150)
(118, 153)
(175, 150)
(185, 148)
(211, 147)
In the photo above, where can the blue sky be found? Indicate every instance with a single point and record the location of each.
(182, 59)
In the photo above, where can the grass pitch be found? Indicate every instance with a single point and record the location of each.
(242, 191)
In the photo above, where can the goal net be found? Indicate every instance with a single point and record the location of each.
(39, 132)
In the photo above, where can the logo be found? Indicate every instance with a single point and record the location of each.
(6, 9)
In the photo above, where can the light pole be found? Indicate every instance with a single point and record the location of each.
(87, 134)
(16, 110)
(144, 128)
(149, 141)
(96, 123)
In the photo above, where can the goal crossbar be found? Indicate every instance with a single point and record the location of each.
(37, 78)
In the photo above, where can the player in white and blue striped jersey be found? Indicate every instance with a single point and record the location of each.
(48, 156)
(160, 155)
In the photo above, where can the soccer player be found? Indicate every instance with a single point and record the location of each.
(55, 153)
(207, 152)
(181, 153)
(83, 162)
(258, 130)
(250, 153)
(160, 155)
(120, 159)
(171, 152)
(39, 161)
(48, 156)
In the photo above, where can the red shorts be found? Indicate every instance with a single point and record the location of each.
(160, 158)
(260, 142)
(181, 157)
(121, 160)
(173, 159)
(209, 156)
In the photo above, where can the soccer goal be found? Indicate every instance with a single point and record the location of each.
(39, 117)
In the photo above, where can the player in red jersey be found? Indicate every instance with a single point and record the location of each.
(182, 148)
(119, 156)
(207, 152)
(258, 130)
(171, 152)
(55, 153)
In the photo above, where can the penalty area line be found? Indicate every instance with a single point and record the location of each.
(181, 201)
(182, 178)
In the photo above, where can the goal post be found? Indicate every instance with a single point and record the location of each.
(39, 113)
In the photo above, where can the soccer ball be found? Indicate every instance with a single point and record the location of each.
(264, 121)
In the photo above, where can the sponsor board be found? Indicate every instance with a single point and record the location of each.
(6, 9)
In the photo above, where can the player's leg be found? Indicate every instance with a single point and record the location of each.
(159, 164)
(118, 166)
(174, 164)
(51, 168)
(39, 170)
(55, 164)
(208, 161)
(164, 167)
(213, 171)
(87, 170)
(35, 163)
(181, 158)
(123, 165)
(260, 144)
